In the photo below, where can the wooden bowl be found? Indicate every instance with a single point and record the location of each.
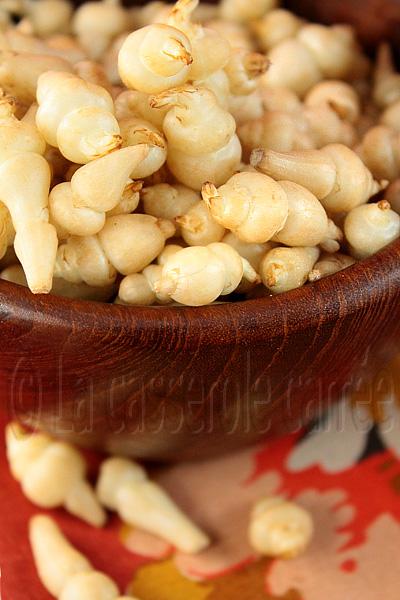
(182, 383)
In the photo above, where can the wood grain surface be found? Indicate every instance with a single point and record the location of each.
(171, 383)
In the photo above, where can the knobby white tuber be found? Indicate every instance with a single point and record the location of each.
(307, 223)
(76, 116)
(166, 201)
(94, 584)
(131, 103)
(195, 123)
(218, 84)
(285, 269)
(243, 70)
(235, 33)
(275, 27)
(218, 166)
(252, 205)
(370, 227)
(168, 251)
(93, 72)
(17, 135)
(127, 244)
(56, 560)
(252, 252)
(48, 16)
(131, 242)
(197, 226)
(110, 60)
(280, 528)
(64, 571)
(325, 126)
(96, 24)
(82, 259)
(279, 99)
(201, 135)
(123, 486)
(337, 95)
(136, 131)
(246, 108)
(334, 174)
(380, 151)
(21, 39)
(139, 288)
(303, 129)
(52, 474)
(275, 130)
(20, 72)
(24, 189)
(198, 275)
(315, 53)
(329, 264)
(129, 200)
(155, 58)
(79, 207)
(65, 46)
(210, 51)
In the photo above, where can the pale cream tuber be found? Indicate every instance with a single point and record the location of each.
(370, 228)
(280, 528)
(329, 264)
(251, 205)
(79, 207)
(65, 572)
(155, 58)
(96, 24)
(334, 174)
(123, 486)
(76, 116)
(285, 269)
(52, 473)
(198, 275)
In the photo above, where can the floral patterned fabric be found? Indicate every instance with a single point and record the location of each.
(345, 469)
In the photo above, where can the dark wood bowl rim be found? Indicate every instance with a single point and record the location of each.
(252, 320)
